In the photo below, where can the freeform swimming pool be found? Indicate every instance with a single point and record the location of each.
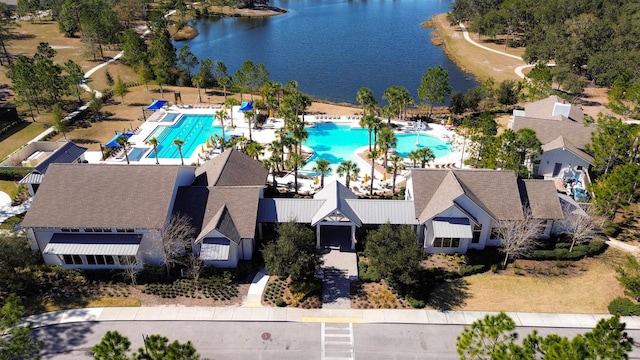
(194, 129)
(337, 143)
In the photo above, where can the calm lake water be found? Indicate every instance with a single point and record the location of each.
(334, 47)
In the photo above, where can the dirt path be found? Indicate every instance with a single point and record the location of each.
(486, 58)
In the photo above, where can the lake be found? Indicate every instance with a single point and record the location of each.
(332, 48)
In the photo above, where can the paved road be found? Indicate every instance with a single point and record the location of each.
(277, 340)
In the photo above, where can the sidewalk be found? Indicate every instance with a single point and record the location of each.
(275, 314)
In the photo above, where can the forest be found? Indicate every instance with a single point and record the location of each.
(593, 39)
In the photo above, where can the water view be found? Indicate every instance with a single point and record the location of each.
(334, 47)
(338, 142)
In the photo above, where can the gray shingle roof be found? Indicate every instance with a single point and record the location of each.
(231, 210)
(109, 196)
(495, 191)
(553, 108)
(561, 143)
(542, 198)
(579, 134)
(231, 168)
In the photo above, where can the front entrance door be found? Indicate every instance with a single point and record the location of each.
(336, 236)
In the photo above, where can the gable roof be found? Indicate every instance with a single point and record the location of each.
(561, 143)
(335, 195)
(554, 108)
(230, 210)
(109, 196)
(231, 168)
(542, 198)
(547, 130)
(495, 191)
(66, 154)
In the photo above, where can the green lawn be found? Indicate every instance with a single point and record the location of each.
(8, 187)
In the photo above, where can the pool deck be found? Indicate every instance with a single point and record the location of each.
(267, 133)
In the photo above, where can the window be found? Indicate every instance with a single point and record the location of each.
(65, 230)
(88, 230)
(106, 230)
(75, 230)
(110, 260)
(97, 230)
(496, 234)
(477, 231)
(91, 259)
(72, 259)
(119, 230)
(446, 242)
(129, 230)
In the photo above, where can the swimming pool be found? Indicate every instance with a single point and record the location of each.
(337, 143)
(194, 129)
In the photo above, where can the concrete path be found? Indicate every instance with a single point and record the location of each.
(517, 70)
(275, 314)
(8, 211)
(340, 267)
(632, 249)
(254, 296)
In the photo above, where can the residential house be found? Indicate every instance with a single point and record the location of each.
(96, 216)
(563, 132)
(459, 210)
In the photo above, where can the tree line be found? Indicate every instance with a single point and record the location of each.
(594, 38)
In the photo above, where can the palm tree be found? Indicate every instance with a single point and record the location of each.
(365, 97)
(272, 164)
(372, 155)
(386, 141)
(255, 150)
(425, 155)
(179, 143)
(299, 133)
(399, 98)
(154, 142)
(414, 156)
(221, 115)
(230, 103)
(349, 169)
(396, 164)
(295, 162)
(322, 166)
(367, 121)
(198, 81)
(248, 116)
(123, 141)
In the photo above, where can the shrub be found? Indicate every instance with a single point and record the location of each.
(366, 273)
(415, 303)
(623, 307)
(495, 268)
(14, 174)
(466, 270)
(280, 302)
(610, 228)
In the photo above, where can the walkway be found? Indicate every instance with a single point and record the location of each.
(276, 314)
(517, 70)
(340, 267)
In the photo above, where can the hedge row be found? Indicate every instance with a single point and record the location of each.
(624, 307)
(595, 246)
(14, 174)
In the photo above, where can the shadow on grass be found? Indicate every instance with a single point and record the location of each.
(449, 295)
